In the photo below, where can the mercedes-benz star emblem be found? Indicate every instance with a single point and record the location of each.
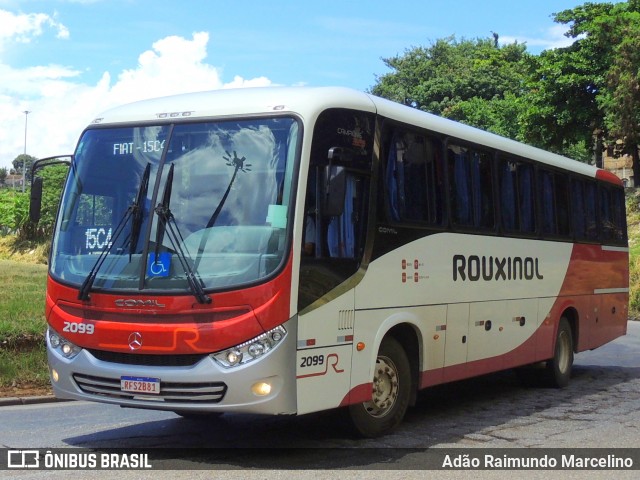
(135, 341)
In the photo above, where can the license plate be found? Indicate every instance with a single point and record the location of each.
(140, 385)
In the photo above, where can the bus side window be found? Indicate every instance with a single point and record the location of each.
(413, 179)
(508, 195)
(526, 199)
(561, 185)
(471, 179)
(517, 196)
(578, 209)
(583, 209)
(460, 184)
(555, 202)
(590, 196)
(547, 200)
(612, 218)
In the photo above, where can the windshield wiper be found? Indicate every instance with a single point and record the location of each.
(238, 165)
(138, 211)
(135, 211)
(167, 223)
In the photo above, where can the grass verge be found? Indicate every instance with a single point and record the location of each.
(23, 360)
(24, 367)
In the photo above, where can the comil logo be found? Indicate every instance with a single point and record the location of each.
(134, 303)
(23, 459)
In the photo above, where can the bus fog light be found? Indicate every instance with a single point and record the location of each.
(261, 389)
(54, 375)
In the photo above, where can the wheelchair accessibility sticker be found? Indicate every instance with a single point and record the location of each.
(159, 267)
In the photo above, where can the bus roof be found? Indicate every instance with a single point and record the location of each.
(308, 102)
(304, 101)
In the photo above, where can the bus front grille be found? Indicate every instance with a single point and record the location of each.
(170, 392)
(148, 360)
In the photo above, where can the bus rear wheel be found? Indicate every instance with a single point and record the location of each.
(390, 395)
(558, 368)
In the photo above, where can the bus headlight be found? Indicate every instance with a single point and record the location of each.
(251, 350)
(63, 346)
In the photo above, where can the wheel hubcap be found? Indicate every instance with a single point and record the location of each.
(385, 388)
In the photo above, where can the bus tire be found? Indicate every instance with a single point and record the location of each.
(558, 368)
(391, 393)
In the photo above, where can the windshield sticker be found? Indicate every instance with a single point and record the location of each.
(159, 266)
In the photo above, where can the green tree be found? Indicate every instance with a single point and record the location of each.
(620, 102)
(13, 210)
(496, 115)
(559, 109)
(3, 175)
(474, 81)
(591, 86)
(53, 181)
(22, 163)
(565, 100)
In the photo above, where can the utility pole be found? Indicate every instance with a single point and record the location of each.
(24, 159)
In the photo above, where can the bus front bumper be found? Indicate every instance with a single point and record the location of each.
(264, 386)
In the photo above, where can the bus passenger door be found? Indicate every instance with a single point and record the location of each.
(323, 359)
(334, 227)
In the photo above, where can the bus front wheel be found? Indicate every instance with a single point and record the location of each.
(391, 391)
(559, 367)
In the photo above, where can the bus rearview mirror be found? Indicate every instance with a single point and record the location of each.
(35, 201)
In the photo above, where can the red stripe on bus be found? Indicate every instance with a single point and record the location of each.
(600, 319)
(607, 176)
(172, 324)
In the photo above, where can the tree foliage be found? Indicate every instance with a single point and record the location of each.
(563, 100)
(13, 210)
(53, 181)
(22, 163)
(441, 78)
(14, 206)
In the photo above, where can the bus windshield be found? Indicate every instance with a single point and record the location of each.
(163, 202)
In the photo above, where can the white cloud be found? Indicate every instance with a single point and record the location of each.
(553, 37)
(61, 105)
(23, 27)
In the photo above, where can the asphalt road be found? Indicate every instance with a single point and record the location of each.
(599, 409)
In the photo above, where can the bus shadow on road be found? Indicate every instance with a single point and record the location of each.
(455, 414)
(451, 413)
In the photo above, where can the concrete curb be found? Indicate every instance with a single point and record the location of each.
(11, 401)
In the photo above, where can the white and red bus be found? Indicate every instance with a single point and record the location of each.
(289, 250)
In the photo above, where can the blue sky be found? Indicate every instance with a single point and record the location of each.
(67, 60)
